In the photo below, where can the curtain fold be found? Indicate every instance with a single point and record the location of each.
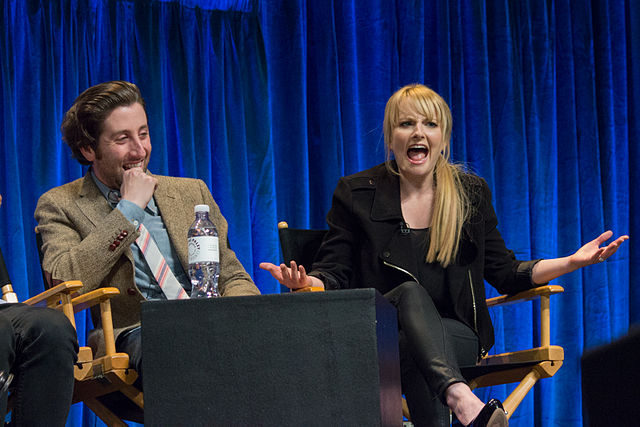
(271, 102)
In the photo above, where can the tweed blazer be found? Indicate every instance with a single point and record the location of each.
(79, 227)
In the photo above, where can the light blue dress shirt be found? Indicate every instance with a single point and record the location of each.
(152, 220)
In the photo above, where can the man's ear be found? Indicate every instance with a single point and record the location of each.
(88, 153)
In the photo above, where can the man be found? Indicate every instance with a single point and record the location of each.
(89, 227)
(38, 348)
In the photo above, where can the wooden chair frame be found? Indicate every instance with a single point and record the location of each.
(528, 366)
(95, 377)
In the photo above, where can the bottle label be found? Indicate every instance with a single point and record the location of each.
(203, 249)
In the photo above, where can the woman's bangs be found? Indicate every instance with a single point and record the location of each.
(423, 101)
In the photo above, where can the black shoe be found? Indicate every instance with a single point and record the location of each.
(492, 415)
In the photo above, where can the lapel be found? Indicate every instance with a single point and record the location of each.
(386, 208)
(91, 202)
(176, 215)
(386, 200)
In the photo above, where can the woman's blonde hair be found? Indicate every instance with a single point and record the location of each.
(451, 204)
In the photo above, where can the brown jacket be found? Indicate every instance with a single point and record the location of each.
(78, 227)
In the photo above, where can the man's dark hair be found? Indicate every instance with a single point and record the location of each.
(83, 123)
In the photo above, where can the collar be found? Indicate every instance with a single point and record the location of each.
(101, 186)
(113, 195)
(386, 200)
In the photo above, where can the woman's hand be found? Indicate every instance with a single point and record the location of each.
(294, 277)
(592, 253)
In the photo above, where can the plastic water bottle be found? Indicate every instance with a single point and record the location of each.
(204, 255)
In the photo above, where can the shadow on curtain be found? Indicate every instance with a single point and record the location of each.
(271, 102)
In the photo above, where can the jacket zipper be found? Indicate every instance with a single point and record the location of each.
(483, 352)
(473, 297)
(473, 294)
(401, 269)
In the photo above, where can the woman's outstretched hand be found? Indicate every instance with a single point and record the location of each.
(593, 253)
(294, 277)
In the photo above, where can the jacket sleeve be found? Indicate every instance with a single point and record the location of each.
(501, 268)
(70, 254)
(234, 280)
(334, 260)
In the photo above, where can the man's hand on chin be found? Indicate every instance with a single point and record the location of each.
(137, 186)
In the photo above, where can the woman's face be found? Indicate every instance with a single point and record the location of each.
(416, 143)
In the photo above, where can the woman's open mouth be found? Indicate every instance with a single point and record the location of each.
(417, 153)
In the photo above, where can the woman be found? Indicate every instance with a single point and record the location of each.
(423, 232)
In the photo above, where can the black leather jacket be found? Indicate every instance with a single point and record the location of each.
(368, 245)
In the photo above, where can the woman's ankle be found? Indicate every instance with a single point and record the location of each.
(462, 402)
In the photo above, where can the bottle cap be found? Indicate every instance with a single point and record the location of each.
(201, 208)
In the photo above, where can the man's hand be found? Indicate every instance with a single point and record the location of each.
(137, 186)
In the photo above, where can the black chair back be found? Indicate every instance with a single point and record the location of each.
(300, 245)
(4, 273)
(45, 277)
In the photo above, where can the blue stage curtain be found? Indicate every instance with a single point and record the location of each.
(541, 93)
(203, 75)
(271, 102)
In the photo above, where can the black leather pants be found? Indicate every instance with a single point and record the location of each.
(39, 346)
(431, 349)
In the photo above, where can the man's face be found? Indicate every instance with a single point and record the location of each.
(123, 144)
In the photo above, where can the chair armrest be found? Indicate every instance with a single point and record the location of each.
(103, 297)
(92, 298)
(52, 296)
(527, 295)
(542, 292)
(7, 293)
(309, 289)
